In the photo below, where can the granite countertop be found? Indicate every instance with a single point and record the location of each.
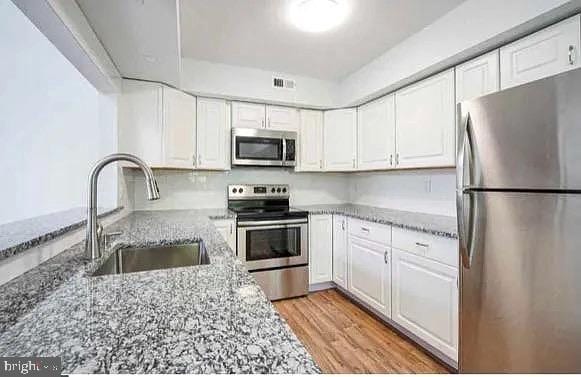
(439, 225)
(18, 236)
(201, 319)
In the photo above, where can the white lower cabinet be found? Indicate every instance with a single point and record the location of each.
(320, 248)
(340, 251)
(227, 229)
(425, 300)
(369, 276)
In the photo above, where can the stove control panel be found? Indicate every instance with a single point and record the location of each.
(258, 191)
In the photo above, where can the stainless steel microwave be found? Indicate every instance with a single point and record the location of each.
(259, 147)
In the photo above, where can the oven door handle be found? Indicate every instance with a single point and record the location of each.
(273, 222)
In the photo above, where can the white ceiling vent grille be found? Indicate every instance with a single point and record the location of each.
(282, 83)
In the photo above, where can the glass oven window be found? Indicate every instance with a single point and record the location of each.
(258, 148)
(273, 243)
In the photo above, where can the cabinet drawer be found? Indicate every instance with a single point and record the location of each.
(370, 231)
(441, 249)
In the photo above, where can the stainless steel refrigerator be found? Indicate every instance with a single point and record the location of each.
(519, 225)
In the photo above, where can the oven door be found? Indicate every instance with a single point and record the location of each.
(271, 244)
(257, 150)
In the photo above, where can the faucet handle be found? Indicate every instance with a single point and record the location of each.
(107, 238)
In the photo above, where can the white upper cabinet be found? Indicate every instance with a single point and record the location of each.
(158, 124)
(340, 140)
(179, 128)
(248, 115)
(282, 118)
(253, 115)
(213, 134)
(478, 77)
(425, 123)
(310, 141)
(320, 249)
(425, 300)
(340, 251)
(376, 134)
(548, 52)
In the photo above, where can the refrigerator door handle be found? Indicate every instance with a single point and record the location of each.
(463, 236)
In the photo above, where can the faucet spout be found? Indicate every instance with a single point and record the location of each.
(92, 242)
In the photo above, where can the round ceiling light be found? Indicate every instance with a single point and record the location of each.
(317, 15)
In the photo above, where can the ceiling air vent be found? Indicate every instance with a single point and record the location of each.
(279, 82)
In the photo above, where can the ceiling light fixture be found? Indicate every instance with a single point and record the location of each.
(316, 16)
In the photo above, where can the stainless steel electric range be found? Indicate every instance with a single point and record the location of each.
(272, 238)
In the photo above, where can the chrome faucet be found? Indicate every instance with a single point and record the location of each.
(94, 229)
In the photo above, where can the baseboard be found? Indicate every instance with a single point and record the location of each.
(321, 286)
(446, 361)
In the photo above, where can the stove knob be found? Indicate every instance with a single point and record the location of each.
(273, 190)
(278, 190)
(241, 190)
(284, 189)
(234, 190)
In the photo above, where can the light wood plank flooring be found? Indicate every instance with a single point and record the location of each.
(343, 338)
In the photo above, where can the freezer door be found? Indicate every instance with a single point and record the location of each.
(520, 299)
(526, 137)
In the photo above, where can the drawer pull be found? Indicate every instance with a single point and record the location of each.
(364, 229)
(422, 244)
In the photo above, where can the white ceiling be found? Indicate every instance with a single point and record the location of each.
(141, 36)
(256, 33)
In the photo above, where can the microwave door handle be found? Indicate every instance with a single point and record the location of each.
(283, 151)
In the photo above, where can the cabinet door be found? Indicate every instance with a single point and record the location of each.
(376, 134)
(369, 273)
(548, 52)
(179, 129)
(340, 251)
(248, 115)
(340, 139)
(213, 135)
(311, 140)
(281, 118)
(140, 121)
(227, 229)
(425, 123)
(425, 300)
(320, 249)
(478, 77)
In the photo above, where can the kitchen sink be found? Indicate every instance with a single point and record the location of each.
(128, 260)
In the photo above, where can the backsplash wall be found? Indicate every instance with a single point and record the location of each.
(428, 191)
(185, 190)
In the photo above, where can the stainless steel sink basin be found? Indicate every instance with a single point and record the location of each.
(153, 258)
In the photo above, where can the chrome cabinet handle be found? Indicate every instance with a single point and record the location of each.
(385, 257)
(391, 160)
(463, 242)
(320, 164)
(353, 163)
(572, 55)
(230, 228)
(199, 159)
(343, 225)
(365, 229)
(268, 122)
(397, 158)
(262, 123)
(420, 244)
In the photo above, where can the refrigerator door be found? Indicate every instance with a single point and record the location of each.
(520, 299)
(525, 137)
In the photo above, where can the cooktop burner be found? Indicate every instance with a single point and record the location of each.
(262, 202)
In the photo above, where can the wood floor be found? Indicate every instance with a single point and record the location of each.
(342, 338)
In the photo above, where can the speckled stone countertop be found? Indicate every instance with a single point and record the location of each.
(19, 236)
(439, 225)
(201, 319)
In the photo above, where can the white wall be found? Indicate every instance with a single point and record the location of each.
(212, 79)
(427, 191)
(472, 27)
(183, 190)
(54, 125)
